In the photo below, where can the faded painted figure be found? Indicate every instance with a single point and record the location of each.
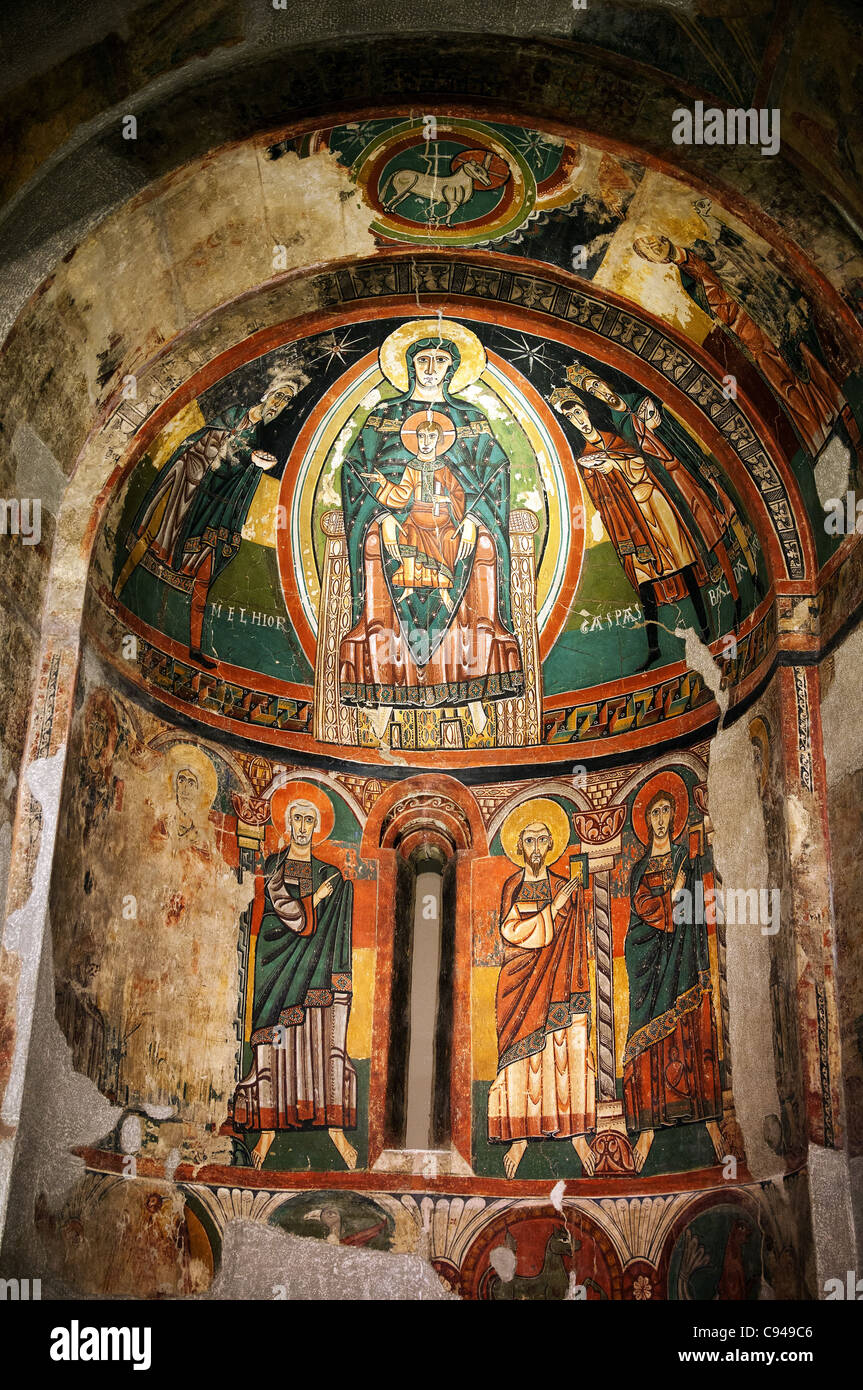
(656, 548)
(301, 1076)
(545, 1086)
(719, 533)
(810, 395)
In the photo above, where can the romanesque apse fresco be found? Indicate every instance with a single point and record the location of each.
(597, 1029)
(421, 614)
(446, 535)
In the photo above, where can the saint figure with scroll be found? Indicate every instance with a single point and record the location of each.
(301, 1076)
(545, 1086)
(671, 1061)
(425, 496)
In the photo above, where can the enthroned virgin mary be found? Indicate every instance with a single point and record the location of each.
(425, 496)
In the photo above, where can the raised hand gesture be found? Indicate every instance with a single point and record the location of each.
(376, 477)
(563, 895)
(324, 890)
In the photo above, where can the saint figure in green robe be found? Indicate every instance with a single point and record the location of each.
(301, 1076)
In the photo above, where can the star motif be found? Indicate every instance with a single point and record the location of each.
(523, 352)
(357, 134)
(337, 347)
(533, 145)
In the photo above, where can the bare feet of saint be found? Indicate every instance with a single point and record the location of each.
(642, 1148)
(347, 1151)
(585, 1153)
(263, 1146)
(513, 1156)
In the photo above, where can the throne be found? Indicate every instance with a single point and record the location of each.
(514, 722)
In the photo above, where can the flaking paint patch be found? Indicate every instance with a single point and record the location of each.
(503, 1262)
(740, 851)
(161, 901)
(259, 1262)
(843, 737)
(832, 471)
(700, 659)
(740, 855)
(23, 936)
(798, 828)
(659, 207)
(61, 1111)
(832, 1219)
(37, 471)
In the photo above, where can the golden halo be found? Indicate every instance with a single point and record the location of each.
(675, 788)
(302, 791)
(539, 808)
(393, 353)
(412, 425)
(187, 755)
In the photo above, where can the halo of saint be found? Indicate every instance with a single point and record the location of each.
(673, 785)
(393, 358)
(539, 810)
(186, 758)
(309, 794)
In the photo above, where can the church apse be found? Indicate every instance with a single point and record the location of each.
(404, 590)
(455, 603)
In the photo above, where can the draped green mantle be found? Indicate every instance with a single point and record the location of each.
(293, 972)
(667, 971)
(222, 500)
(481, 467)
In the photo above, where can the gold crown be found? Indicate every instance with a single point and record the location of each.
(577, 373)
(560, 395)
